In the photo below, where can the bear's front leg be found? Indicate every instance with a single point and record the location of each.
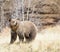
(13, 37)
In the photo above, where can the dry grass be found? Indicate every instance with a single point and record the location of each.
(47, 40)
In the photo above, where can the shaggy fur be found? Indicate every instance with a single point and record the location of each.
(25, 30)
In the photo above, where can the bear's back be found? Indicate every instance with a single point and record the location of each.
(27, 26)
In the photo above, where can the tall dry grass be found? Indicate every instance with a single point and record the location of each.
(48, 40)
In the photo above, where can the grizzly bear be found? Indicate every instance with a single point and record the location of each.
(25, 30)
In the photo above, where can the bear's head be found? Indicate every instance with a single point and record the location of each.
(13, 23)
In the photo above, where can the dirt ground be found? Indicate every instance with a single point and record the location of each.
(48, 40)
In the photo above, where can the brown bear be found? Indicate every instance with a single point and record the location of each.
(25, 30)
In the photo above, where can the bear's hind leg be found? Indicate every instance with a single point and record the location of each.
(21, 38)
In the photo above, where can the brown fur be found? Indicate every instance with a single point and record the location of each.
(24, 29)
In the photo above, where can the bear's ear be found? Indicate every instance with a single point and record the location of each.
(9, 19)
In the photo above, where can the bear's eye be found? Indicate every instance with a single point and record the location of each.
(13, 22)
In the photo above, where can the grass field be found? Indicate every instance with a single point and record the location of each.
(48, 40)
